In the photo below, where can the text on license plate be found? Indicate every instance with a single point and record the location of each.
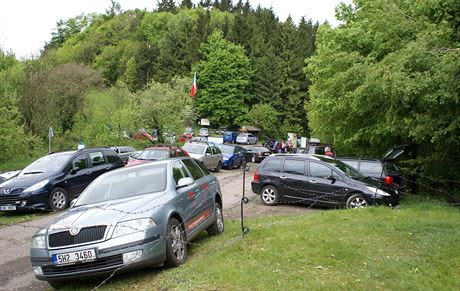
(73, 257)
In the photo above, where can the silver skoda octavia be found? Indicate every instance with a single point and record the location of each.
(130, 218)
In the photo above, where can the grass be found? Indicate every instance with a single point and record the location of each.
(8, 218)
(416, 246)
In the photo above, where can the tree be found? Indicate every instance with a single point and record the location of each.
(223, 79)
(166, 6)
(186, 4)
(265, 117)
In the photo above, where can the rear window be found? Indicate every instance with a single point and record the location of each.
(273, 165)
(371, 168)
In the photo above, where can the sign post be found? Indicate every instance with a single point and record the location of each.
(50, 135)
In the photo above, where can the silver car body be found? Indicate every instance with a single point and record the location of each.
(209, 154)
(90, 228)
(246, 138)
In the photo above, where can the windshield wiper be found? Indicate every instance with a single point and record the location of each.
(33, 172)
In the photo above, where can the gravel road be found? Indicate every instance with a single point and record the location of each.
(15, 266)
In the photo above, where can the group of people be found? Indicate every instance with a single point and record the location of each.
(281, 146)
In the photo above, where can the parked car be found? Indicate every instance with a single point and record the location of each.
(204, 131)
(2, 179)
(246, 138)
(159, 152)
(124, 152)
(318, 180)
(209, 154)
(233, 156)
(221, 130)
(314, 146)
(130, 218)
(185, 137)
(384, 169)
(258, 153)
(53, 180)
(230, 136)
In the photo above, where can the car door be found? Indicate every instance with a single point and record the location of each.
(207, 159)
(216, 156)
(99, 165)
(325, 185)
(198, 211)
(79, 173)
(294, 180)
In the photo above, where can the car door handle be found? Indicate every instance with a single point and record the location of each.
(312, 181)
(282, 177)
(88, 173)
(107, 168)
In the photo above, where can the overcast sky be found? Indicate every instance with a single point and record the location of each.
(25, 25)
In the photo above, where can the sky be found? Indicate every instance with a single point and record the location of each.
(26, 25)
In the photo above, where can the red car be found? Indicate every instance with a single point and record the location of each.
(185, 137)
(159, 152)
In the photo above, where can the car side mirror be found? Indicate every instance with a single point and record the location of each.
(332, 179)
(75, 169)
(183, 182)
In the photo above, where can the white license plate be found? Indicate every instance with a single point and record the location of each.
(74, 257)
(7, 207)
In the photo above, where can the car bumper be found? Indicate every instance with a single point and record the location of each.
(109, 254)
(255, 187)
(25, 201)
(385, 200)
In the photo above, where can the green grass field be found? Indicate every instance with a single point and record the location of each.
(416, 246)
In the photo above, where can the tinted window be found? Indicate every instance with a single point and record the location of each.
(353, 164)
(294, 167)
(178, 171)
(80, 162)
(97, 158)
(111, 157)
(318, 170)
(202, 167)
(273, 165)
(370, 168)
(193, 169)
(208, 150)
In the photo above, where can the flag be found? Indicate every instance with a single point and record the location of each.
(193, 91)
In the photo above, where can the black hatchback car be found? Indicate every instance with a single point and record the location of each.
(318, 180)
(53, 180)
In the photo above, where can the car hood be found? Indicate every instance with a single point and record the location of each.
(24, 181)
(227, 156)
(108, 212)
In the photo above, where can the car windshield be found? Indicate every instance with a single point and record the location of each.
(227, 149)
(126, 183)
(47, 164)
(153, 154)
(346, 169)
(194, 148)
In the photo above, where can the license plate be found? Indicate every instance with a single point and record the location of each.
(74, 257)
(7, 207)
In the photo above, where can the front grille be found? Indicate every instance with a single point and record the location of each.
(86, 234)
(102, 263)
(8, 199)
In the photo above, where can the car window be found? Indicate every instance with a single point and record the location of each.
(273, 165)
(154, 154)
(193, 169)
(202, 167)
(194, 148)
(97, 158)
(319, 170)
(208, 150)
(353, 164)
(80, 162)
(370, 168)
(111, 157)
(178, 171)
(49, 163)
(294, 166)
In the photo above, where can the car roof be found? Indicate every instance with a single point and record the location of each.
(358, 159)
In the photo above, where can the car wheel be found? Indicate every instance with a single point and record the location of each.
(176, 246)
(58, 199)
(218, 225)
(219, 166)
(56, 284)
(269, 195)
(356, 201)
(253, 159)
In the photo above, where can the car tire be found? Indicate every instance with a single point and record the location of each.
(230, 165)
(356, 201)
(219, 166)
(269, 195)
(59, 199)
(217, 227)
(176, 245)
(253, 159)
(56, 284)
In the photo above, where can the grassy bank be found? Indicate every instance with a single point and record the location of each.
(414, 247)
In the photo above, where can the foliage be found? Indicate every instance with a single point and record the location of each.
(389, 76)
(223, 79)
(264, 116)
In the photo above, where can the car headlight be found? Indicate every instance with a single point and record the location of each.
(38, 242)
(225, 159)
(37, 186)
(378, 191)
(132, 226)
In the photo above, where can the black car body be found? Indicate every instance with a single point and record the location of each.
(318, 180)
(53, 180)
(383, 169)
(258, 153)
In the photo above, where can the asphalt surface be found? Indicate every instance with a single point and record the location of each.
(15, 266)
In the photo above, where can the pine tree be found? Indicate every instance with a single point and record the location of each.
(166, 6)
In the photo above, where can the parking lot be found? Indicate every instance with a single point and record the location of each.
(15, 266)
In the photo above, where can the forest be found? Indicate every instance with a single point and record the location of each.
(387, 75)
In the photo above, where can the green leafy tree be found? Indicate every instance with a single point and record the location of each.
(265, 117)
(223, 80)
(166, 6)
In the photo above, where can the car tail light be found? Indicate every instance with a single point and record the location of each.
(256, 176)
(389, 180)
